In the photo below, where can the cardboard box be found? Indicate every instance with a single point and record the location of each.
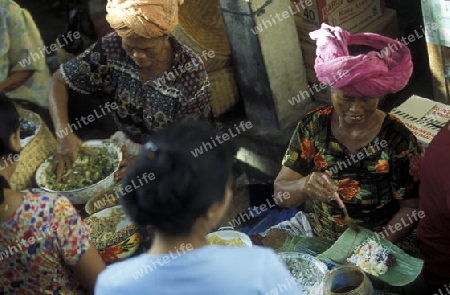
(436, 15)
(351, 15)
(386, 25)
(424, 117)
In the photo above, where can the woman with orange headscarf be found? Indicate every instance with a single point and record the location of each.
(152, 78)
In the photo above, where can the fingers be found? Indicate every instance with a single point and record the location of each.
(59, 169)
(119, 175)
(124, 152)
(85, 150)
(320, 187)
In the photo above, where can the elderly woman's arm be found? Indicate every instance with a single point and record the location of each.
(294, 184)
(404, 221)
(295, 177)
(300, 188)
(15, 79)
(58, 100)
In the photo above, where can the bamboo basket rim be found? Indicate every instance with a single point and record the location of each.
(202, 21)
(33, 154)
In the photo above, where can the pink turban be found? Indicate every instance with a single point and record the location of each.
(385, 70)
(144, 18)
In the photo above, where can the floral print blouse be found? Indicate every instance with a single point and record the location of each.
(369, 181)
(182, 92)
(42, 238)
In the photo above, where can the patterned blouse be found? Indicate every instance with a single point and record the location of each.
(42, 238)
(22, 49)
(369, 181)
(143, 108)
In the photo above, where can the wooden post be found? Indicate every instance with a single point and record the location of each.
(269, 62)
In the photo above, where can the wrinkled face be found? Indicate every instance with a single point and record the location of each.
(354, 110)
(144, 51)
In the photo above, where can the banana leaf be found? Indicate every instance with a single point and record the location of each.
(306, 245)
(289, 245)
(405, 271)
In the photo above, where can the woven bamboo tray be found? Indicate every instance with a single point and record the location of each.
(224, 91)
(201, 28)
(33, 154)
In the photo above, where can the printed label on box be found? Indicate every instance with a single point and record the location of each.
(350, 15)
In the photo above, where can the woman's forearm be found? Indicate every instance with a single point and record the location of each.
(15, 80)
(58, 100)
(295, 190)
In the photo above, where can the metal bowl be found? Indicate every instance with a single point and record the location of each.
(82, 195)
(311, 275)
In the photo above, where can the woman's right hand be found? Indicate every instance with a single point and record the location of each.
(67, 149)
(320, 187)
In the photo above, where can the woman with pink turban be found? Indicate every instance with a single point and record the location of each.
(367, 156)
(152, 79)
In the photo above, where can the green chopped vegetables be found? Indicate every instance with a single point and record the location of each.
(86, 170)
(306, 272)
(103, 229)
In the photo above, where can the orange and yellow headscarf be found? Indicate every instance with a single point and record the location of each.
(143, 18)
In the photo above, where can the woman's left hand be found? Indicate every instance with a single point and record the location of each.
(126, 162)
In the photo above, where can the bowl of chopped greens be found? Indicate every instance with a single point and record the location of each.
(89, 174)
(308, 271)
(113, 234)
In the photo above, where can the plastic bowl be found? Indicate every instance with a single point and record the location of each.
(82, 195)
(123, 249)
(229, 234)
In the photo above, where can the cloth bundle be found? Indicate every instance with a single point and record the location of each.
(143, 18)
(385, 70)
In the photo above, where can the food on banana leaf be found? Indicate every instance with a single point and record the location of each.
(372, 257)
(405, 270)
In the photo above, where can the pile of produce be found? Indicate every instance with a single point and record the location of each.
(103, 229)
(86, 170)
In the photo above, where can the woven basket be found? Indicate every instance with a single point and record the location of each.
(201, 28)
(224, 91)
(33, 154)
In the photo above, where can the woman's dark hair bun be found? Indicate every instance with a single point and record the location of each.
(187, 178)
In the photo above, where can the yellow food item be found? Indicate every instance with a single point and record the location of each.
(215, 240)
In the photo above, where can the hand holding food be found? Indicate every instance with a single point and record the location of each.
(67, 152)
(126, 162)
(85, 170)
(318, 188)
